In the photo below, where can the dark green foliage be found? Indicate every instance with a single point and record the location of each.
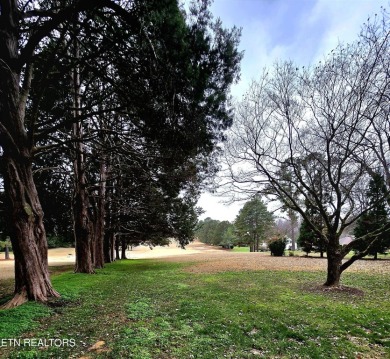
(156, 116)
(374, 220)
(305, 238)
(253, 223)
(309, 240)
(229, 238)
(57, 242)
(220, 233)
(277, 246)
(205, 230)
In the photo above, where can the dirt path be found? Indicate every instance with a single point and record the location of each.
(209, 259)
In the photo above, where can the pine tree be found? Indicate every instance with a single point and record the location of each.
(253, 223)
(374, 219)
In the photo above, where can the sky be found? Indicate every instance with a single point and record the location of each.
(303, 31)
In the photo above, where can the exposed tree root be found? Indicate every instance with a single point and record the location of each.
(22, 297)
(18, 299)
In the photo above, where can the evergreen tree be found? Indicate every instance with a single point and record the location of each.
(373, 220)
(253, 223)
(229, 238)
(308, 239)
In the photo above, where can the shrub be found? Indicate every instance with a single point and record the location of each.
(277, 245)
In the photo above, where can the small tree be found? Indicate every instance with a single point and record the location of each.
(277, 245)
(305, 238)
(309, 240)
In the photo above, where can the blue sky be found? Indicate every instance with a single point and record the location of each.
(303, 31)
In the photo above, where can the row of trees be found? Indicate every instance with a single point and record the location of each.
(111, 113)
(313, 139)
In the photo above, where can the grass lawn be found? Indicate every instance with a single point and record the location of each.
(240, 249)
(152, 309)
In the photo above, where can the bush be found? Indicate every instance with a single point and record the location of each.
(277, 246)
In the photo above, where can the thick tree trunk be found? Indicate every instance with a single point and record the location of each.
(334, 268)
(81, 217)
(82, 234)
(107, 247)
(28, 236)
(124, 247)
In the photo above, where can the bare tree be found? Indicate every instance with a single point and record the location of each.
(313, 136)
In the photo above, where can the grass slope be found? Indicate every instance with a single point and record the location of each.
(149, 309)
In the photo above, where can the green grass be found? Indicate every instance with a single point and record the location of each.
(148, 309)
(240, 249)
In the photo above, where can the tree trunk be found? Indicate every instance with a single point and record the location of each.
(81, 218)
(108, 258)
(334, 269)
(293, 222)
(112, 248)
(124, 247)
(28, 236)
(117, 253)
(107, 247)
(6, 252)
(82, 233)
(99, 221)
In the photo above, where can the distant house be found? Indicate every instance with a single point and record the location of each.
(346, 240)
(263, 247)
(288, 243)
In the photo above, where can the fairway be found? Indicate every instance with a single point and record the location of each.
(204, 305)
